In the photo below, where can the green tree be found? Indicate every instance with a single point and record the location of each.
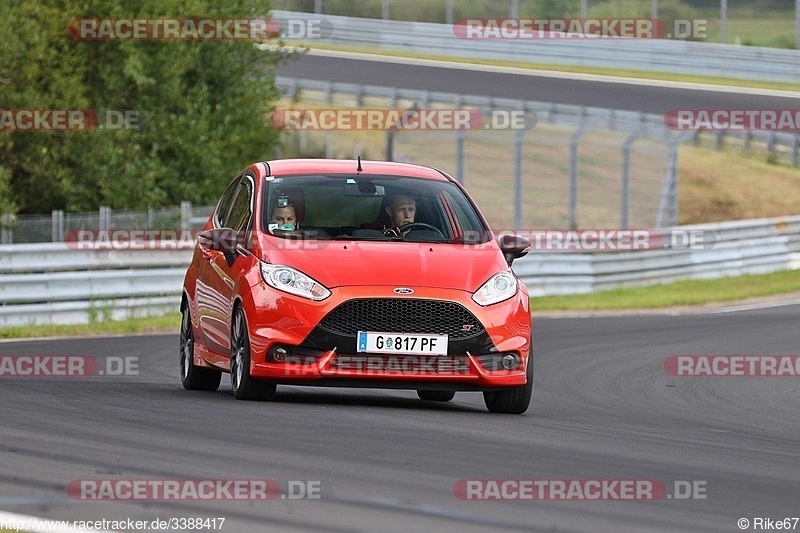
(200, 105)
(6, 204)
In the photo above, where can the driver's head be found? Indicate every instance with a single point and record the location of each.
(401, 210)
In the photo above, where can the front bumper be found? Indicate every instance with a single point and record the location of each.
(292, 322)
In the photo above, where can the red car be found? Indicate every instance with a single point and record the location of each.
(356, 274)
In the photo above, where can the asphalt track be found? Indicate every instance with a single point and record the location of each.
(603, 408)
(640, 95)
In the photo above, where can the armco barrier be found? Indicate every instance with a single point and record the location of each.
(658, 55)
(53, 284)
(742, 247)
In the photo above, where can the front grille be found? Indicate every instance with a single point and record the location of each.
(403, 316)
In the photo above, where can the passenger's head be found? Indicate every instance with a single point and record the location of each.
(401, 210)
(284, 216)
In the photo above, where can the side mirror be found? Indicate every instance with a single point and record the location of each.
(218, 240)
(513, 247)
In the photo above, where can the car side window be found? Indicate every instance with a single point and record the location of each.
(225, 203)
(240, 213)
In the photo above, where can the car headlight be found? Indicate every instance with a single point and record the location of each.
(501, 286)
(293, 281)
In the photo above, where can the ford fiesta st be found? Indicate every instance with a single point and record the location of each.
(356, 274)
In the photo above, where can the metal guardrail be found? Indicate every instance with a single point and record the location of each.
(53, 284)
(658, 55)
(60, 257)
(742, 247)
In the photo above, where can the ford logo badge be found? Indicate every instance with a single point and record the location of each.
(404, 290)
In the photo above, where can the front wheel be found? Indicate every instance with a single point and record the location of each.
(515, 400)
(194, 377)
(245, 387)
(436, 395)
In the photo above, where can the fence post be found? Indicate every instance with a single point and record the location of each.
(303, 142)
(390, 144)
(626, 179)
(518, 179)
(519, 139)
(723, 21)
(360, 96)
(461, 138)
(669, 193)
(104, 222)
(551, 113)
(186, 216)
(6, 229)
(771, 145)
(426, 99)
(57, 226)
(574, 142)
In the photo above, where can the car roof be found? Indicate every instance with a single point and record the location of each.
(288, 167)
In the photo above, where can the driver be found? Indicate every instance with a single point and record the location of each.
(401, 210)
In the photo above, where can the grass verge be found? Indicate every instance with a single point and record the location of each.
(164, 324)
(575, 69)
(679, 293)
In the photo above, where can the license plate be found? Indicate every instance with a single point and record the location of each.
(401, 343)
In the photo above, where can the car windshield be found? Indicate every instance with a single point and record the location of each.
(371, 207)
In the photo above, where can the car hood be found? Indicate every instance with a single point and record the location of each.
(399, 264)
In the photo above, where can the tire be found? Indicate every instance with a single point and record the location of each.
(245, 387)
(194, 377)
(436, 395)
(515, 400)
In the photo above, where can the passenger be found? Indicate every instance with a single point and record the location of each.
(285, 218)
